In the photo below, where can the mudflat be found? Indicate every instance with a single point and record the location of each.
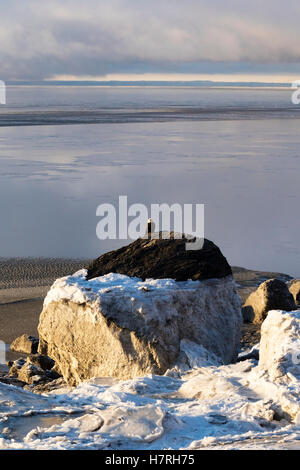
(24, 283)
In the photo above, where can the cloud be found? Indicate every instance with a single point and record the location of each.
(98, 37)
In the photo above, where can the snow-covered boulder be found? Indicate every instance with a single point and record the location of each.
(279, 361)
(280, 345)
(120, 326)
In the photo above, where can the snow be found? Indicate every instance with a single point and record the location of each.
(280, 345)
(78, 289)
(198, 405)
(197, 355)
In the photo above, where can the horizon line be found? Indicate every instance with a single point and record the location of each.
(211, 83)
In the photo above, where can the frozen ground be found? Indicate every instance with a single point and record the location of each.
(229, 407)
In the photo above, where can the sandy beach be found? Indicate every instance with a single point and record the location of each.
(25, 282)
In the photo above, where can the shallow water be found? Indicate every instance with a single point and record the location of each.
(18, 427)
(245, 170)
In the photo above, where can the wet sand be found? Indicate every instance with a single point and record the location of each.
(23, 286)
(19, 317)
(35, 272)
(25, 282)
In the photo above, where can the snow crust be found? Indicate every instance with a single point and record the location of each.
(199, 404)
(78, 289)
(280, 345)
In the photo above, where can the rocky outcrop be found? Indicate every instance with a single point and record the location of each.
(123, 327)
(162, 259)
(25, 344)
(30, 374)
(294, 288)
(270, 295)
(35, 369)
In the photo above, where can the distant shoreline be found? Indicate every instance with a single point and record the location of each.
(29, 272)
(138, 116)
(150, 83)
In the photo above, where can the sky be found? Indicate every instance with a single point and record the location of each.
(150, 39)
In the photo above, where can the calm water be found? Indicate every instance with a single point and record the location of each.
(236, 151)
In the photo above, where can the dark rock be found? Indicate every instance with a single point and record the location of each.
(31, 374)
(16, 366)
(248, 313)
(270, 295)
(25, 344)
(56, 372)
(6, 379)
(52, 374)
(41, 360)
(27, 372)
(46, 387)
(160, 259)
